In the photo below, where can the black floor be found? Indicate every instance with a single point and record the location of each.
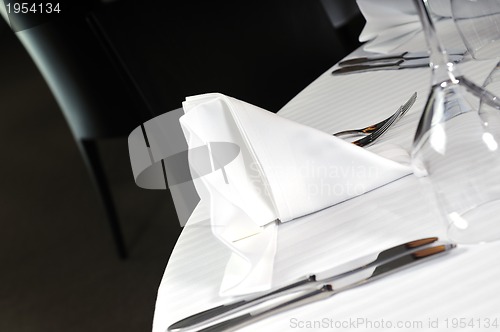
(58, 267)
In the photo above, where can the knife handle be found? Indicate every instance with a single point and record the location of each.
(358, 68)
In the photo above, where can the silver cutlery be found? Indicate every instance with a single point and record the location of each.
(398, 56)
(322, 291)
(373, 132)
(342, 271)
(395, 64)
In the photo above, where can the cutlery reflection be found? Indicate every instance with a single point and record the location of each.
(324, 291)
(345, 270)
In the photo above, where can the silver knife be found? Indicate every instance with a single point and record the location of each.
(397, 64)
(393, 57)
(326, 276)
(324, 291)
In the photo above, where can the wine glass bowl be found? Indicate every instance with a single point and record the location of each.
(457, 149)
(462, 163)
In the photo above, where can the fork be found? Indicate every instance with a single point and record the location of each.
(375, 131)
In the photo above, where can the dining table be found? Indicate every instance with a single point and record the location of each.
(454, 292)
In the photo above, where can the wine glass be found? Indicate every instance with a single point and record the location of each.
(478, 23)
(456, 149)
(489, 114)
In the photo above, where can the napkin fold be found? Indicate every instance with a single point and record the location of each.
(268, 170)
(391, 23)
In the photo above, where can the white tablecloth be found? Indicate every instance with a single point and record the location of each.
(439, 295)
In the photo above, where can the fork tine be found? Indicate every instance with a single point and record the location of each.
(386, 126)
(406, 106)
(372, 137)
(396, 116)
(373, 128)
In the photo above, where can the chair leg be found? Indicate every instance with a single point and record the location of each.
(90, 154)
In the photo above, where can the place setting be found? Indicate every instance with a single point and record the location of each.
(305, 208)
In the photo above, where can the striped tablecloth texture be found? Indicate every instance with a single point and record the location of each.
(441, 294)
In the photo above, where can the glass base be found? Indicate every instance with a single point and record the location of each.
(478, 225)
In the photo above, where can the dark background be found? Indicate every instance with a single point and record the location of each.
(59, 270)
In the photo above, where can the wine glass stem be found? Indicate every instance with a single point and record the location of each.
(443, 69)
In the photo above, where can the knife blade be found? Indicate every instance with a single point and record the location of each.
(327, 290)
(325, 276)
(391, 65)
(392, 57)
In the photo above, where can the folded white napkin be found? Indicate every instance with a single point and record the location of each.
(390, 23)
(268, 169)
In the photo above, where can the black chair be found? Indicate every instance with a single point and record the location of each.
(92, 88)
(113, 66)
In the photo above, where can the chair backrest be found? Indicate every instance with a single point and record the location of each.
(90, 85)
(112, 66)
